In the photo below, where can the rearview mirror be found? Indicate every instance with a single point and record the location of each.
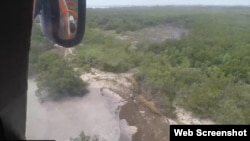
(62, 21)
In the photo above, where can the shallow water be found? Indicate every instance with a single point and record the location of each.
(95, 114)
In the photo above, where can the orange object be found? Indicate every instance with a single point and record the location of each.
(64, 13)
(34, 7)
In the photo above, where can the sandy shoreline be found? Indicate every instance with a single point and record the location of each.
(110, 110)
(122, 84)
(95, 114)
(134, 112)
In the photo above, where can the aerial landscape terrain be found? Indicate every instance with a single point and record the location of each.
(139, 70)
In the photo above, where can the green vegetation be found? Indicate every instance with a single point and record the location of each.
(83, 137)
(39, 45)
(103, 52)
(56, 79)
(207, 72)
(55, 76)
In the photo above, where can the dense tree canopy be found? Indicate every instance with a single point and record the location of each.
(56, 79)
(55, 76)
(207, 71)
